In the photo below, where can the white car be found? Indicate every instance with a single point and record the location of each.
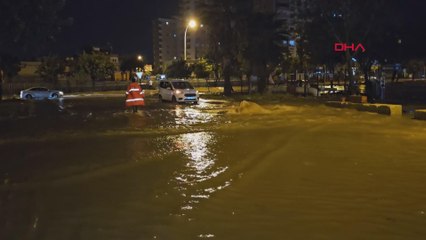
(39, 93)
(177, 91)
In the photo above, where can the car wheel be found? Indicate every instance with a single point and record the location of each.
(28, 96)
(173, 99)
(55, 95)
(160, 98)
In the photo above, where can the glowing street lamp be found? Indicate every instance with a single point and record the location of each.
(191, 24)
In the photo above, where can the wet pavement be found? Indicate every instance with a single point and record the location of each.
(88, 169)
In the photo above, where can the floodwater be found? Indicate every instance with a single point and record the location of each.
(94, 171)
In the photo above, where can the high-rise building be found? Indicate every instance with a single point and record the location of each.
(168, 36)
(288, 11)
(165, 41)
(288, 14)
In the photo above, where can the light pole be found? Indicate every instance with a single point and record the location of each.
(191, 24)
(139, 70)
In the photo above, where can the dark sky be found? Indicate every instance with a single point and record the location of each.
(124, 25)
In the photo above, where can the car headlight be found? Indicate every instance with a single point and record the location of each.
(178, 91)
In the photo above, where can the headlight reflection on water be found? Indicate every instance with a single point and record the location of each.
(201, 166)
(191, 116)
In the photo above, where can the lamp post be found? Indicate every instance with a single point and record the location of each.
(139, 67)
(191, 24)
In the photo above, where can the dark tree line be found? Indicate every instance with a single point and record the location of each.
(374, 24)
(242, 40)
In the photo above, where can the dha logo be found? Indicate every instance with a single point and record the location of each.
(342, 47)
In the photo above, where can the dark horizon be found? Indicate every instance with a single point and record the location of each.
(125, 26)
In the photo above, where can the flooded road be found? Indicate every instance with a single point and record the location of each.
(94, 171)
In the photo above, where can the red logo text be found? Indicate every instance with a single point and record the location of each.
(342, 47)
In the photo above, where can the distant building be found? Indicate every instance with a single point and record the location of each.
(114, 58)
(165, 42)
(29, 68)
(288, 12)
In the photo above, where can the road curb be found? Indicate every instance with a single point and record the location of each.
(394, 110)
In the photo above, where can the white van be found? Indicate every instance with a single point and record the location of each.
(177, 91)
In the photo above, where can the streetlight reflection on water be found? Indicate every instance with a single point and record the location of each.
(201, 166)
(197, 147)
(201, 160)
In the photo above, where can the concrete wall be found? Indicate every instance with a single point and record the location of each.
(394, 110)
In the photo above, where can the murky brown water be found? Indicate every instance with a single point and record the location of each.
(193, 172)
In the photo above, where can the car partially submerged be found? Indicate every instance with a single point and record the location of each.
(39, 93)
(177, 91)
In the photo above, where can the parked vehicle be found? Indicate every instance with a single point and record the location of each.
(38, 93)
(177, 91)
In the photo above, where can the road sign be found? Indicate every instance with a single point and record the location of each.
(139, 74)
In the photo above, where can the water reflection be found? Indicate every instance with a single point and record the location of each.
(190, 116)
(200, 167)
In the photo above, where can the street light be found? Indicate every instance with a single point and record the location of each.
(191, 24)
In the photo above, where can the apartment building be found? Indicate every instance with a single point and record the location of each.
(288, 11)
(168, 34)
(165, 40)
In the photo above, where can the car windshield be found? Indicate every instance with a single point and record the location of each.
(182, 85)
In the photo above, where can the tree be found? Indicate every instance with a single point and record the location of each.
(243, 40)
(264, 47)
(348, 22)
(202, 69)
(227, 23)
(97, 65)
(26, 26)
(130, 63)
(178, 69)
(9, 66)
(414, 67)
(50, 68)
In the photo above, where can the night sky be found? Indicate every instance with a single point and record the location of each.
(126, 25)
(123, 25)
